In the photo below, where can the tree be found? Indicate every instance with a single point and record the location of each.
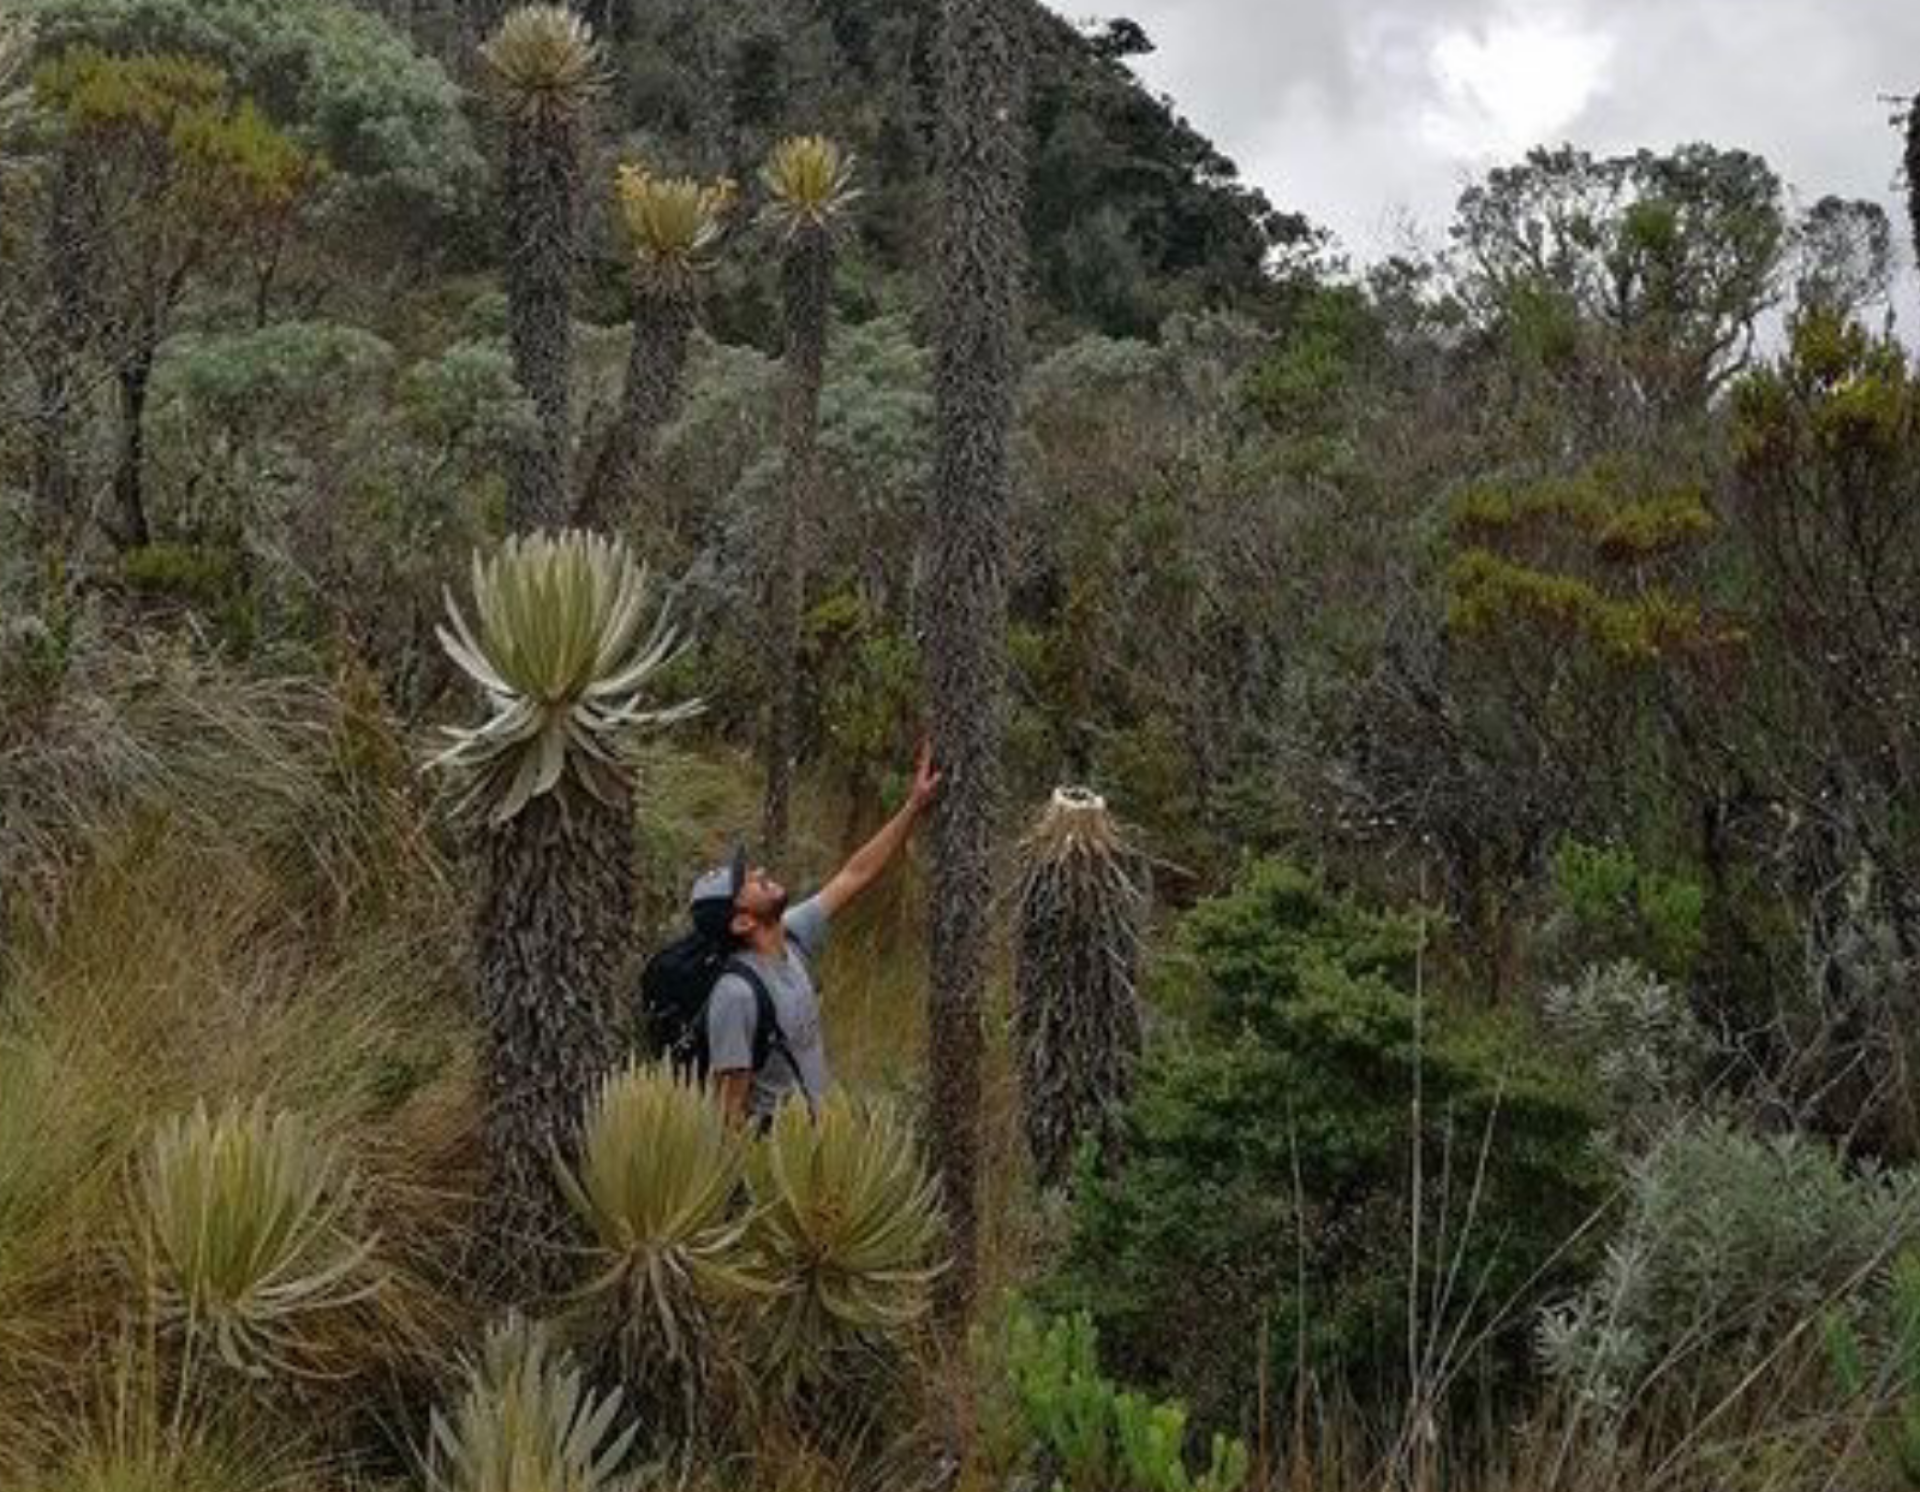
(1135, 215)
(810, 186)
(41, 305)
(674, 224)
(17, 38)
(343, 83)
(1573, 605)
(1658, 267)
(1120, 185)
(982, 51)
(1821, 725)
(404, 182)
(1843, 257)
(1142, 496)
(175, 180)
(546, 69)
(559, 648)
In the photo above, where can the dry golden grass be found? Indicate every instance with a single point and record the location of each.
(221, 911)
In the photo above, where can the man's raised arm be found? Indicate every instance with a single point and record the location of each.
(877, 853)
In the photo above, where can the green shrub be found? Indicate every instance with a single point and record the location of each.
(1879, 1365)
(1055, 1410)
(1609, 906)
(1266, 1175)
(1244, 956)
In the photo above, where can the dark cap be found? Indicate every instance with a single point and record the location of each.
(715, 892)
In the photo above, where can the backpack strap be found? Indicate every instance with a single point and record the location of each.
(769, 1037)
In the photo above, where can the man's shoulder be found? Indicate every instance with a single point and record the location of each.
(806, 923)
(809, 909)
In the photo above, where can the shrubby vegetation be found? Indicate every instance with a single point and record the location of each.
(1055, 1408)
(1499, 666)
(1381, 1183)
(1733, 1250)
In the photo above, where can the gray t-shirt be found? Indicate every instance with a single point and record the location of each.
(790, 982)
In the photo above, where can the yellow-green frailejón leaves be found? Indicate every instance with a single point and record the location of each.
(656, 1178)
(562, 649)
(675, 222)
(839, 1245)
(528, 1422)
(544, 63)
(809, 184)
(249, 1220)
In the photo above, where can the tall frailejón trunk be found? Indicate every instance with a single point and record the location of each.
(649, 399)
(807, 279)
(555, 922)
(964, 623)
(1913, 170)
(542, 191)
(561, 654)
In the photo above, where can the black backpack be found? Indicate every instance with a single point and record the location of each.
(675, 987)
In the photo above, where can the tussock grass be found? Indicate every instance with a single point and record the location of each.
(224, 892)
(141, 1429)
(152, 996)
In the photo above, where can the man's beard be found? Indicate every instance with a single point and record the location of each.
(774, 910)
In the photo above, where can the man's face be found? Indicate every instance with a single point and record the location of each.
(761, 901)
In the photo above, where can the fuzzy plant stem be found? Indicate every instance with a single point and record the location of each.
(555, 922)
(1080, 906)
(649, 399)
(1913, 169)
(981, 174)
(807, 278)
(542, 190)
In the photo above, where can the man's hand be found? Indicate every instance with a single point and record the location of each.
(733, 1088)
(926, 780)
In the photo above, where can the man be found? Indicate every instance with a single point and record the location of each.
(782, 945)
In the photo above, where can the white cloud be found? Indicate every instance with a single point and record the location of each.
(1509, 85)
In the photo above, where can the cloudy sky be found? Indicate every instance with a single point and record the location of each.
(1371, 114)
